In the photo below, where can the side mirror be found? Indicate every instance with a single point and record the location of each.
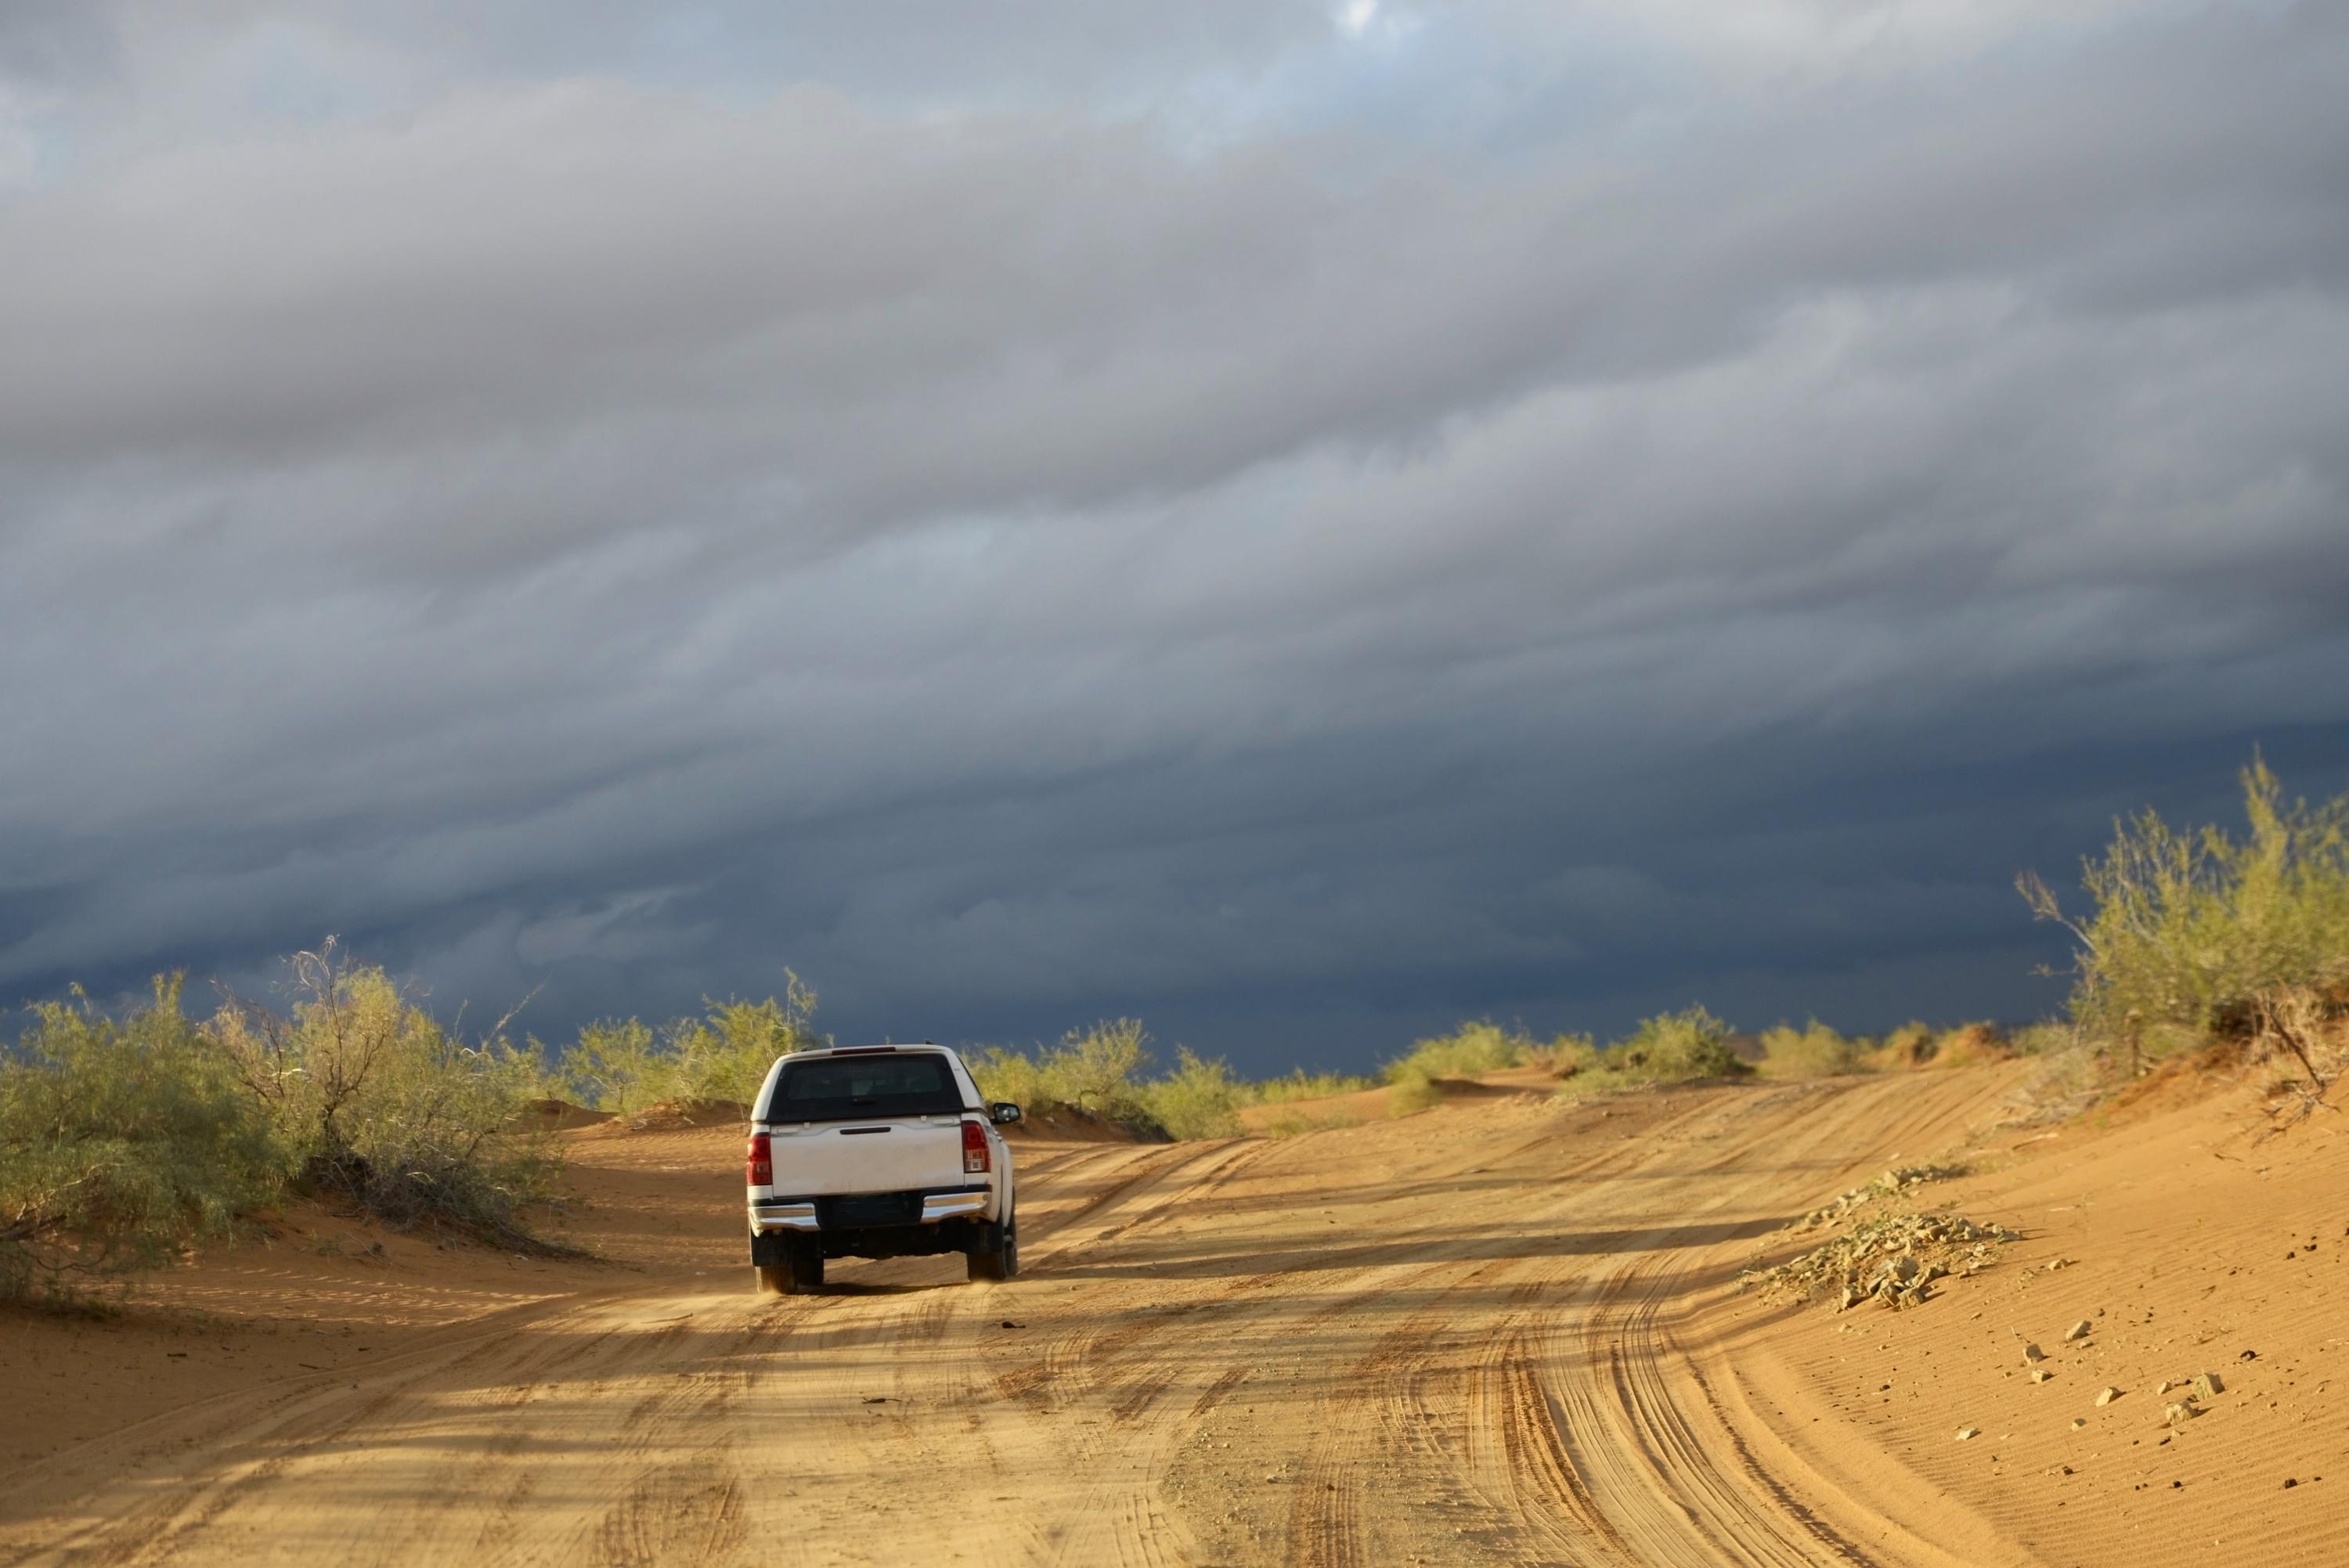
(1003, 1113)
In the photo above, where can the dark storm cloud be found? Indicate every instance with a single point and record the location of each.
(1012, 562)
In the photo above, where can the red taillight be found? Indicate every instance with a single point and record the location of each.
(975, 1161)
(758, 1167)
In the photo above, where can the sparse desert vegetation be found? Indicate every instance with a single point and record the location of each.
(2197, 940)
(133, 1134)
(130, 1132)
(626, 1065)
(124, 1137)
(121, 1141)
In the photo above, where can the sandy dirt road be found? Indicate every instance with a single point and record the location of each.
(1472, 1336)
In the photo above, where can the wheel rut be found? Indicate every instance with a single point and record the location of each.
(1472, 1336)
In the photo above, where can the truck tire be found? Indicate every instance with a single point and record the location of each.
(800, 1274)
(806, 1268)
(1000, 1260)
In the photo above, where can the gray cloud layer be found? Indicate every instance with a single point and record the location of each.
(560, 505)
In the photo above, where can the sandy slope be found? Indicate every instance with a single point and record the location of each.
(1502, 1331)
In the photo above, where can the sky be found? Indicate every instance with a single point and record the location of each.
(1302, 523)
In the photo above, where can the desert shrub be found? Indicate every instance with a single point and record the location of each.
(1292, 1123)
(614, 1066)
(2190, 928)
(1567, 1056)
(121, 1142)
(1472, 1049)
(2303, 1031)
(2043, 1039)
(1097, 1070)
(1200, 1099)
(1671, 1047)
(1101, 1070)
(1906, 1046)
(2065, 1076)
(381, 1105)
(623, 1064)
(1008, 1072)
(1969, 1045)
(1298, 1084)
(1812, 1051)
(725, 1053)
(1412, 1094)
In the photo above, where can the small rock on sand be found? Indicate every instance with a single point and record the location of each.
(2106, 1395)
(2041, 1375)
(1967, 1434)
(2077, 1331)
(2032, 1354)
(2208, 1385)
(2179, 1414)
(2079, 1421)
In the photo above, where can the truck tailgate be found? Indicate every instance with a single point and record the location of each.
(886, 1155)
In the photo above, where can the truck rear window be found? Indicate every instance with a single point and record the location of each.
(852, 1089)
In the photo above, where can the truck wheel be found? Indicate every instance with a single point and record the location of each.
(800, 1274)
(806, 1269)
(1000, 1261)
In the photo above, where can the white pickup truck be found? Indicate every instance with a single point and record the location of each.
(876, 1151)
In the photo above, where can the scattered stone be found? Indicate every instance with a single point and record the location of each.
(2079, 1421)
(2032, 1354)
(2180, 1414)
(2041, 1375)
(2079, 1330)
(1892, 1184)
(1892, 1259)
(1008, 1323)
(2054, 1264)
(2248, 1356)
(2207, 1385)
(2289, 1482)
(1968, 1434)
(2106, 1395)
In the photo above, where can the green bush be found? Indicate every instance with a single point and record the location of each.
(376, 1103)
(121, 1142)
(1569, 1056)
(1005, 1073)
(1097, 1070)
(1812, 1051)
(1672, 1046)
(2190, 929)
(1906, 1046)
(623, 1065)
(1409, 1095)
(1969, 1045)
(2045, 1038)
(1472, 1049)
(1100, 1070)
(1200, 1099)
(615, 1066)
(1298, 1084)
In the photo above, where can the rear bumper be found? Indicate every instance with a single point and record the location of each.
(808, 1214)
(953, 1220)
